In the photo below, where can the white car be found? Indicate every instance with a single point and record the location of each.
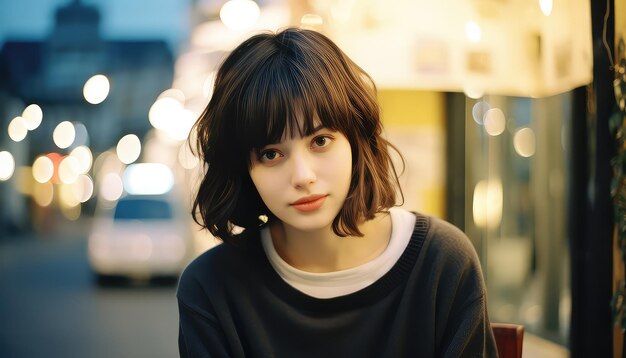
(140, 237)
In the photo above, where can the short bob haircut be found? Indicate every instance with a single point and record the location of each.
(285, 83)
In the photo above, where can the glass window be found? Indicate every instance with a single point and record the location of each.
(516, 202)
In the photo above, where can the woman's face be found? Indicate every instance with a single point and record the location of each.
(304, 181)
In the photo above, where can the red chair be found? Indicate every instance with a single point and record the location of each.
(509, 339)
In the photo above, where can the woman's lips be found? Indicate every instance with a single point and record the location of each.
(309, 203)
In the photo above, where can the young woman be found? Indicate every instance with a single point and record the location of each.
(316, 260)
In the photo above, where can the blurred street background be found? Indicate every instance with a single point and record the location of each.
(500, 108)
(51, 307)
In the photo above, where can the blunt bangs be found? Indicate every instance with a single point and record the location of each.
(291, 92)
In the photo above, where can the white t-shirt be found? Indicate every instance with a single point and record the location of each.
(340, 283)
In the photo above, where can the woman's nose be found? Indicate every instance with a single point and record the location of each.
(303, 170)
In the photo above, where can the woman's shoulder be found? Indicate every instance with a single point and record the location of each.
(213, 268)
(446, 244)
(450, 255)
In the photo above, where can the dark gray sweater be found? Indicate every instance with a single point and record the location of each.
(430, 304)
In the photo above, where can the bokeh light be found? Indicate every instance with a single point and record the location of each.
(43, 169)
(83, 188)
(64, 134)
(96, 89)
(479, 110)
(239, 14)
(7, 165)
(546, 7)
(487, 203)
(494, 122)
(84, 157)
(111, 187)
(180, 129)
(174, 93)
(128, 148)
(68, 170)
(68, 195)
(311, 21)
(148, 179)
(18, 129)
(473, 92)
(472, 31)
(107, 162)
(524, 142)
(33, 115)
(164, 111)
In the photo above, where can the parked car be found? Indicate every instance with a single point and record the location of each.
(140, 237)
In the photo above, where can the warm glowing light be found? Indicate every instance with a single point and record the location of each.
(164, 111)
(18, 129)
(96, 89)
(473, 92)
(472, 31)
(56, 159)
(33, 115)
(487, 203)
(78, 192)
(186, 158)
(546, 7)
(311, 21)
(68, 170)
(111, 187)
(7, 165)
(148, 179)
(479, 110)
(43, 169)
(128, 148)
(174, 93)
(524, 142)
(239, 14)
(43, 194)
(83, 188)
(84, 157)
(494, 122)
(68, 196)
(64, 134)
(179, 129)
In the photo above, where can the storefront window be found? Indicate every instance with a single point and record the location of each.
(515, 207)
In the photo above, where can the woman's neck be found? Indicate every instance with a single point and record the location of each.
(323, 251)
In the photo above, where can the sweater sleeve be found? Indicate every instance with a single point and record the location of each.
(200, 333)
(469, 333)
(462, 296)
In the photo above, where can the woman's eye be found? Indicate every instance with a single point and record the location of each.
(269, 155)
(321, 141)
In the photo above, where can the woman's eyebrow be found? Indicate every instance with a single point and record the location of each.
(318, 128)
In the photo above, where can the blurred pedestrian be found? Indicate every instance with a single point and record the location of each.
(317, 260)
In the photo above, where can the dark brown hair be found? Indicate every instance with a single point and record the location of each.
(263, 88)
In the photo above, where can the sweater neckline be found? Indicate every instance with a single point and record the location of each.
(381, 287)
